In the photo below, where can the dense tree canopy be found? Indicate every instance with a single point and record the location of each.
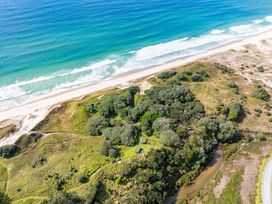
(169, 138)
(96, 124)
(126, 135)
(170, 112)
(9, 151)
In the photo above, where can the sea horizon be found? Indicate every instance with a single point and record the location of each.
(48, 46)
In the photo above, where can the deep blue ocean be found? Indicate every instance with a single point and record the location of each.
(50, 45)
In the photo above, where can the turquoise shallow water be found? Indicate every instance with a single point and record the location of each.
(49, 45)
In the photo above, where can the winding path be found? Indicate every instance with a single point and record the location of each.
(266, 183)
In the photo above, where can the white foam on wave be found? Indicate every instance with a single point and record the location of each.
(159, 50)
(90, 67)
(95, 75)
(142, 58)
(258, 21)
(240, 28)
(31, 81)
(54, 75)
(268, 19)
(11, 92)
(16, 89)
(217, 31)
(182, 45)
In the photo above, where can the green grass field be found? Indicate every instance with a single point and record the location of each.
(62, 152)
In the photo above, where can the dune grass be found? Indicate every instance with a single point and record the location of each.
(62, 152)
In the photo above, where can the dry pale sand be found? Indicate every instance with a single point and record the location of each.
(28, 115)
(248, 60)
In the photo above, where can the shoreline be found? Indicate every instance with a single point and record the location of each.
(48, 101)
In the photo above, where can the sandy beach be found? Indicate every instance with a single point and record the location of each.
(29, 114)
(76, 92)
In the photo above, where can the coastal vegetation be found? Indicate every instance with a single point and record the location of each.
(260, 93)
(134, 147)
(4, 131)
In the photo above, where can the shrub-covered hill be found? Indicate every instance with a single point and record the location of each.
(125, 147)
(170, 112)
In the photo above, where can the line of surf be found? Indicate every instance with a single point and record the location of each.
(125, 77)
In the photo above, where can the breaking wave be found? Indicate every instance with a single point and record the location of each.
(131, 60)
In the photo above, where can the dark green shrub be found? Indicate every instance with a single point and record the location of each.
(258, 110)
(236, 112)
(261, 137)
(222, 109)
(159, 110)
(27, 140)
(91, 108)
(182, 132)
(167, 94)
(114, 153)
(126, 135)
(203, 73)
(182, 77)
(9, 151)
(106, 148)
(223, 131)
(169, 138)
(235, 88)
(260, 69)
(4, 199)
(39, 161)
(96, 124)
(197, 78)
(83, 179)
(162, 124)
(129, 135)
(59, 184)
(223, 68)
(228, 133)
(188, 73)
(260, 93)
(167, 75)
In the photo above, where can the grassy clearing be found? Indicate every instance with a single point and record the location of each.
(129, 152)
(71, 117)
(62, 153)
